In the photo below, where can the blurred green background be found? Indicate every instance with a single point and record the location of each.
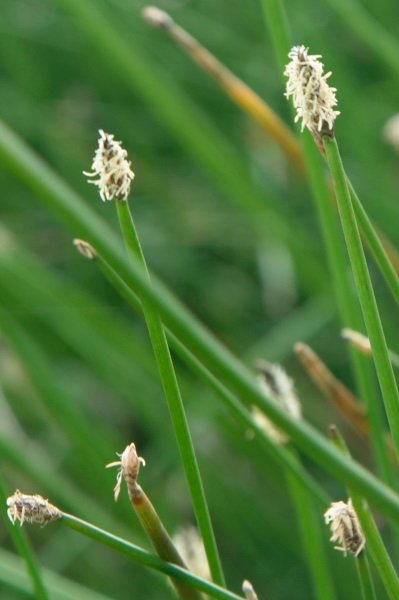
(224, 220)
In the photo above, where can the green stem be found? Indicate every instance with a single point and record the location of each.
(276, 18)
(375, 244)
(25, 550)
(145, 558)
(174, 400)
(366, 582)
(347, 304)
(365, 290)
(377, 548)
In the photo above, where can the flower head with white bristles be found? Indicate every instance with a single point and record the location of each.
(345, 528)
(31, 508)
(111, 166)
(313, 98)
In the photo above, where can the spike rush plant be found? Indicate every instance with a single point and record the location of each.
(233, 478)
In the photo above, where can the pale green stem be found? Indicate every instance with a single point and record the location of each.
(364, 289)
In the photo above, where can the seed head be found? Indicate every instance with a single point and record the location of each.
(313, 98)
(110, 164)
(391, 131)
(360, 341)
(129, 464)
(34, 509)
(190, 546)
(276, 385)
(345, 528)
(85, 248)
(249, 591)
(157, 17)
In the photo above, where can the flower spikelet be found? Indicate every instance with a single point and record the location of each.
(249, 591)
(112, 168)
(276, 385)
(34, 509)
(191, 548)
(129, 464)
(313, 98)
(345, 528)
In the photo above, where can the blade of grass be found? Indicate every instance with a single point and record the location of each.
(366, 581)
(365, 290)
(174, 400)
(376, 245)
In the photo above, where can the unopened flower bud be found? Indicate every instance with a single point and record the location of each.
(157, 17)
(85, 248)
(129, 464)
(249, 591)
(360, 341)
(34, 509)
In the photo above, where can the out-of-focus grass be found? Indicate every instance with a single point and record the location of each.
(246, 270)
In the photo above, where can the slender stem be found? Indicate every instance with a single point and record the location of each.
(145, 558)
(175, 403)
(377, 548)
(380, 255)
(276, 17)
(365, 290)
(366, 582)
(25, 550)
(347, 305)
